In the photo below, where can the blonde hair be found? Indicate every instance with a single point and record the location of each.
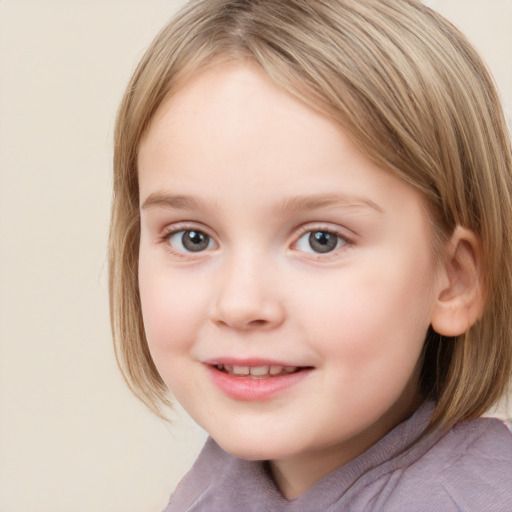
(414, 96)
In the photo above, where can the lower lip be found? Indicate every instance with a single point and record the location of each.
(255, 389)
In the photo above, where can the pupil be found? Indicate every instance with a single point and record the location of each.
(195, 241)
(322, 241)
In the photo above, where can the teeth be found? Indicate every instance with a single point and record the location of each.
(241, 370)
(256, 371)
(259, 370)
(275, 370)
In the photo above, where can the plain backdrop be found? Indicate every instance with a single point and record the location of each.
(72, 438)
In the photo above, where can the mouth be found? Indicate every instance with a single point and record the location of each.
(258, 372)
(256, 380)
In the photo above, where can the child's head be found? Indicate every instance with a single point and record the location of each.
(407, 93)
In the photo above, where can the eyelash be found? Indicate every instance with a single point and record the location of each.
(303, 230)
(338, 233)
(176, 229)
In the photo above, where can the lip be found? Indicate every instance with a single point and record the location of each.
(247, 388)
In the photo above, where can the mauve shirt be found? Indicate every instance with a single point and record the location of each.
(468, 468)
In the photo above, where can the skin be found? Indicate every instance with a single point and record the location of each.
(232, 156)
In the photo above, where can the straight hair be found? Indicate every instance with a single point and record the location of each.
(413, 95)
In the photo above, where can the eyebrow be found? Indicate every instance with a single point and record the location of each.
(295, 203)
(177, 202)
(312, 202)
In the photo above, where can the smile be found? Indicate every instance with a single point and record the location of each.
(257, 372)
(257, 382)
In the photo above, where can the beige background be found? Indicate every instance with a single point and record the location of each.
(72, 438)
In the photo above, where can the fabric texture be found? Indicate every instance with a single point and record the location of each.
(468, 468)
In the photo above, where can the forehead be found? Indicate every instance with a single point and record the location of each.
(230, 111)
(229, 98)
(229, 134)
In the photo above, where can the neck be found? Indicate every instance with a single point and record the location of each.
(295, 475)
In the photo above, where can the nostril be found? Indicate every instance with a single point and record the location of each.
(256, 323)
(247, 311)
(244, 326)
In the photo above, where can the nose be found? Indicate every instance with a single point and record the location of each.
(247, 296)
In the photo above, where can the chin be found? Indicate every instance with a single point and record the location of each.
(253, 449)
(244, 451)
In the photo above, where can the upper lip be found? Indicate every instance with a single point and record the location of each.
(250, 362)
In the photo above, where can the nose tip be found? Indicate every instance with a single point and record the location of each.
(242, 316)
(247, 301)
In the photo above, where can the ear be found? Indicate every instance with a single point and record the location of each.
(460, 300)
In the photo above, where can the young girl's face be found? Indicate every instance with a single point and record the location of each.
(287, 282)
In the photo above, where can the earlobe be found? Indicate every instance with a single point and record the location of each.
(460, 300)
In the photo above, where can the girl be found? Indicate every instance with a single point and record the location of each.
(310, 248)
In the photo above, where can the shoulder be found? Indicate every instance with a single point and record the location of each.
(467, 468)
(481, 447)
(198, 482)
(219, 481)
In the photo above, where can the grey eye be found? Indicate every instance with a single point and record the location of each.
(190, 241)
(319, 242)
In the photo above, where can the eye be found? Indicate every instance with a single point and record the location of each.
(319, 242)
(190, 240)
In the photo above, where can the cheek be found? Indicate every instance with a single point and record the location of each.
(372, 316)
(171, 309)
(171, 312)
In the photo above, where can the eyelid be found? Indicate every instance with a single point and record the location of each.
(171, 229)
(175, 228)
(343, 233)
(329, 228)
